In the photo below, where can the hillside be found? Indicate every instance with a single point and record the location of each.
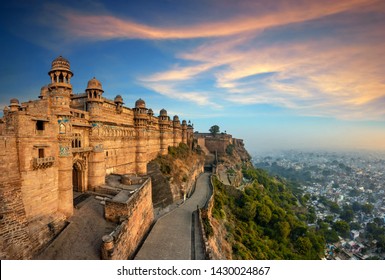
(257, 216)
(173, 175)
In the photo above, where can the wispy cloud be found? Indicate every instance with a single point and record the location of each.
(104, 26)
(338, 74)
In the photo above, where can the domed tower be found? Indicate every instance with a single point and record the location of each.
(44, 92)
(60, 88)
(94, 92)
(184, 132)
(177, 131)
(140, 113)
(59, 94)
(14, 105)
(119, 103)
(164, 127)
(140, 121)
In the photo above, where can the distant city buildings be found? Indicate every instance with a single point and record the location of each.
(336, 182)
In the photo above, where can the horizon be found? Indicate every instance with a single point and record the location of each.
(285, 75)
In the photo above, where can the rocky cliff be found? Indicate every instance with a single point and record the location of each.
(173, 175)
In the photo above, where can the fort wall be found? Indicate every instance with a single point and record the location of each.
(136, 214)
(63, 143)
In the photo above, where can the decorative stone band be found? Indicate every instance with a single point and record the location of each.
(81, 150)
(41, 163)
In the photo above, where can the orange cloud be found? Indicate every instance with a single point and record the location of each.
(109, 27)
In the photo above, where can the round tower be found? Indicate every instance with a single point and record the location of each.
(119, 103)
(59, 92)
(164, 127)
(140, 121)
(14, 105)
(177, 131)
(60, 88)
(94, 93)
(184, 132)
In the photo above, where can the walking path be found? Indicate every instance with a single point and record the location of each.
(82, 238)
(175, 235)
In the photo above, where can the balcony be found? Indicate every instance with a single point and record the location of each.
(41, 163)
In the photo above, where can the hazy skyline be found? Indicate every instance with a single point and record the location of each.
(284, 74)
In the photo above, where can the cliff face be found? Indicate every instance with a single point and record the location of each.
(173, 175)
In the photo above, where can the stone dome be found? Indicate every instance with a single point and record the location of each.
(60, 63)
(94, 84)
(150, 112)
(163, 113)
(140, 103)
(184, 122)
(14, 101)
(43, 91)
(118, 99)
(176, 118)
(6, 109)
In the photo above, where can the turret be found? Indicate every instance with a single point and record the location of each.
(140, 113)
(119, 103)
(184, 132)
(94, 92)
(60, 88)
(177, 133)
(164, 126)
(14, 105)
(140, 120)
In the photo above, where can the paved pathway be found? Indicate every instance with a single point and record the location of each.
(174, 236)
(82, 238)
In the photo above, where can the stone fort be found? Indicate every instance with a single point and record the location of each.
(65, 143)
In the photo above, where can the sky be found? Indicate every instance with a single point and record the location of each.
(285, 74)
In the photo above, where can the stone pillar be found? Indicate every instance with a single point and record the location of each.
(97, 167)
(65, 180)
(107, 247)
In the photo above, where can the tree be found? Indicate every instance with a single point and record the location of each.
(347, 214)
(367, 208)
(342, 228)
(214, 130)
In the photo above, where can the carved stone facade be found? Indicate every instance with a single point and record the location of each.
(65, 142)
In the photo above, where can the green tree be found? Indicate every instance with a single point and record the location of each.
(334, 207)
(303, 245)
(347, 214)
(214, 130)
(283, 229)
(342, 228)
(367, 208)
(263, 214)
(356, 206)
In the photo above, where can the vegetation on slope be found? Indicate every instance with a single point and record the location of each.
(178, 163)
(265, 220)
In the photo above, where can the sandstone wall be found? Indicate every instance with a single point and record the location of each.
(217, 144)
(14, 234)
(138, 217)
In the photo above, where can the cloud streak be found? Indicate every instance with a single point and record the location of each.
(104, 27)
(247, 60)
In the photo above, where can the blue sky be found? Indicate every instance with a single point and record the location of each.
(286, 74)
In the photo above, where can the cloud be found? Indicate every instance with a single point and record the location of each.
(246, 58)
(105, 26)
(176, 91)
